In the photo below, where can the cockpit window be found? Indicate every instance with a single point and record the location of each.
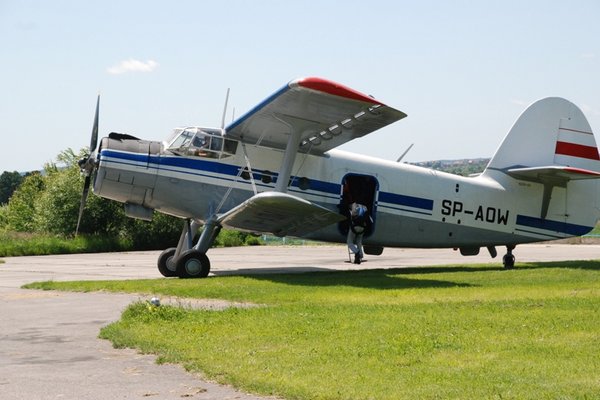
(202, 142)
(182, 140)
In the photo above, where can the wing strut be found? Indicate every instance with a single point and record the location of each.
(249, 169)
(289, 158)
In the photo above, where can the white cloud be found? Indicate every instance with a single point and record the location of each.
(132, 65)
(519, 102)
(588, 55)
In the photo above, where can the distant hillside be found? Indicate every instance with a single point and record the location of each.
(464, 167)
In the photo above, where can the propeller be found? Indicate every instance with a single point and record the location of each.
(87, 165)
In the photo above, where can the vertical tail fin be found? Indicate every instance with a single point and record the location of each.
(550, 132)
(552, 144)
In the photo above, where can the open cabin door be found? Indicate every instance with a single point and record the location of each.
(362, 189)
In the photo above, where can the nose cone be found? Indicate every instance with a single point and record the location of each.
(88, 164)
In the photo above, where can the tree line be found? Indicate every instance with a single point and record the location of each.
(47, 202)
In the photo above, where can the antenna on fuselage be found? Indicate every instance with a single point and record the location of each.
(406, 151)
(225, 110)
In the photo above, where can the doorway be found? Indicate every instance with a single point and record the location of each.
(360, 189)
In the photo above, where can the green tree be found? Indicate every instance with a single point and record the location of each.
(21, 212)
(57, 210)
(9, 182)
(162, 232)
(49, 203)
(3, 216)
(57, 206)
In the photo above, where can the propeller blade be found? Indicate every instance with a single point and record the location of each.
(94, 140)
(87, 166)
(84, 195)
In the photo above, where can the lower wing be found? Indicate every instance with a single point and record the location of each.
(280, 214)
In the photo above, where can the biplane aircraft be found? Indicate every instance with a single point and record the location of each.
(276, 170)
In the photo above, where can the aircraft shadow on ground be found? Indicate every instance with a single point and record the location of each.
(593, 265)
(384, 279)
(393, 278)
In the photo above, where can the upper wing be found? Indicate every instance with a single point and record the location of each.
(280, 214)
(327, 114)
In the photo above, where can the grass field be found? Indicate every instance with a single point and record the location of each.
(14, 244)
(419, 333)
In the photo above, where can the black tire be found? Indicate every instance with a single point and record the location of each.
(166, 263)
(509, 261)
(193, 264)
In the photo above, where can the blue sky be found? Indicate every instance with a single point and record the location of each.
(463, 71)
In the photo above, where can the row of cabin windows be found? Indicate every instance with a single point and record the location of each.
(209, 142)
(269, 177)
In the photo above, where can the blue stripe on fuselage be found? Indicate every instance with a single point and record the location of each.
(555, 226)
(200, 165)
(408, 201)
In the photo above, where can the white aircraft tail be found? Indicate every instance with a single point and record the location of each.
(552, 144)
(550, 132)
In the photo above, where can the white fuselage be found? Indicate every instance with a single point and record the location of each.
(411, 206)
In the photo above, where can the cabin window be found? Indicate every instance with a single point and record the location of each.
(229, 147)
(202, 142)
(266, 177)
(304, 183)
(245, 174)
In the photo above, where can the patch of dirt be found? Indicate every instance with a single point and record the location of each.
(204, 304)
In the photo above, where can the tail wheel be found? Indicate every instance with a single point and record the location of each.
(509, 261)
(193, 264)
(166, 263)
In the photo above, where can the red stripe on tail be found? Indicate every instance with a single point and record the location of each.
(577, 150)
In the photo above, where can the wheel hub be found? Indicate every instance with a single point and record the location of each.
(193, 267)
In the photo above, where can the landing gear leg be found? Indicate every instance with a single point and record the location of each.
(193, 262)
(187, 260)
(509, 259)
(167, 264)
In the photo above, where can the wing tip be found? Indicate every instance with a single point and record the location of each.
(333, 88)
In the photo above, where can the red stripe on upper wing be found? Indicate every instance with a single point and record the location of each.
(330, 87)
(577, 150)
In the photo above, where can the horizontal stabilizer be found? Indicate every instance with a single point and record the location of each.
(554, 173)
(551, 176)
(280, 214)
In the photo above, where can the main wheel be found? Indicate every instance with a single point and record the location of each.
(166, 263)
(193, 264)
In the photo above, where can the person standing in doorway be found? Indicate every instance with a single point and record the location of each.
(359, 217)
